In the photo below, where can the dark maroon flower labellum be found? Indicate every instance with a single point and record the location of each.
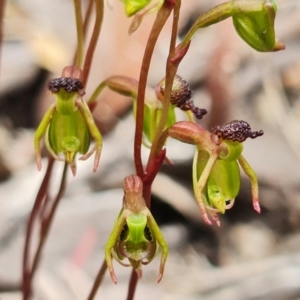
(181, 96)
(236, 131)
(68, 84)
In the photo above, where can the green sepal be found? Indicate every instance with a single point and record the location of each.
(202, 159)
(254, 23)
(150, 121)
(152, 114)
(171, 116)
(68, 134)
(223, 184)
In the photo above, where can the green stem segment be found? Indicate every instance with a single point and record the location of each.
(80, 34)
(96, 93)
(215, 15)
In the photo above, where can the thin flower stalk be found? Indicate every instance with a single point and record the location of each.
(99, 9)
(161, 18)
(80, 33)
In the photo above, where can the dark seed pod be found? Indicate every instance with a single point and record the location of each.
(68, 84)
(236, 131)
(181, 96)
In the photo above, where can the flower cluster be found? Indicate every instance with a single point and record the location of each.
(68, 125)
(216, 175)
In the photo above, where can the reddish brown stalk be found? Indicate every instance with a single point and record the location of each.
(80, 36)
(132, 285)
(26, 284)
(47, 221)
(87, 19)
(171, 69)
(154, 162)
(159, 23)
(99, 7)
(153, 168)
(98, 280)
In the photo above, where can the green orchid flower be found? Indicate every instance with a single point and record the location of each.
(135, 236)
(181, 97)
(68, 125)
(216, 174)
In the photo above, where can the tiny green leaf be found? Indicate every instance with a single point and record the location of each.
(134, 6)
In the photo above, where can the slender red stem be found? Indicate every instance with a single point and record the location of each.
(98, 281)
(26, 284)
(132, 285)
(87, 17)
(154, 161)
(47, 221)
(171, 69)
(153, 166)
(86, 22)
(99, 7)
(80, 33)
(159, 23)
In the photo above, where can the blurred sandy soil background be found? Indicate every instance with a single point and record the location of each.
(250, 256)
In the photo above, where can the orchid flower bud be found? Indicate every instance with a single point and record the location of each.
(254, 22)
(252, 19)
